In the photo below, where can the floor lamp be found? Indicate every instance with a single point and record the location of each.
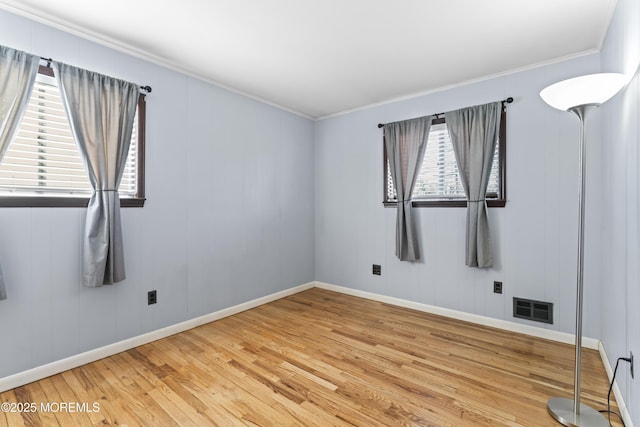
(579, 96)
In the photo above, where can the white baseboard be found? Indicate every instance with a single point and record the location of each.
(535, 331)
(624, 411)
(44, 371)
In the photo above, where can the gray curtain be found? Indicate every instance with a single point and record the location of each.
(17, 75)
(405, 143)
(474, 132)
(101, 113)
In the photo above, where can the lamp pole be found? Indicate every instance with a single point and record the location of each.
(580, 95)
(566, 411)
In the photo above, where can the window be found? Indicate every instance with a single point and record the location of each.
(42, 165)
(438, 182)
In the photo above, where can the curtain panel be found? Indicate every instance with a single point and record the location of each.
(18, 72)
(474, 132)
(405, 143)
(101, 112)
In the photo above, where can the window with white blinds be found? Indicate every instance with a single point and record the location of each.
(43, 159)
(439, 179)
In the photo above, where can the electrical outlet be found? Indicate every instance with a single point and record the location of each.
(152, 297)
(376, 269)
(497, 287)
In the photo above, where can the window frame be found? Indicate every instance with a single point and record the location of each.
(137, 201)
(499, 202)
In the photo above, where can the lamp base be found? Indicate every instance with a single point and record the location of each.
(562, 410)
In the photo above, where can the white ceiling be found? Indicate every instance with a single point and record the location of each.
(323, 57)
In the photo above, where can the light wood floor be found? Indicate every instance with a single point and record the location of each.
(320, 358)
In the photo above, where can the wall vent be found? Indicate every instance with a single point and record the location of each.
(533, 310)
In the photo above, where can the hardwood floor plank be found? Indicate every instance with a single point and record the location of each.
(11, 416)
(36, 396)
(80, 390)
(320, 358)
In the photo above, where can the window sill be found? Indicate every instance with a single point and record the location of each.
(60, 202)
(446, 204)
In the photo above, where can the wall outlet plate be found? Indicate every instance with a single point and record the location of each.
(152, 297)
(497, 287)
(376, 269)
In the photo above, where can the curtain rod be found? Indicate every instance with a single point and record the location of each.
(146, 88)
(509, 100)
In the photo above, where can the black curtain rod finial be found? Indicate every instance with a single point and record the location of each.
(49, 61)
(509, 100)
(146, 88)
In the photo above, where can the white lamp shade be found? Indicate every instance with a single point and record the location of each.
(590, 89)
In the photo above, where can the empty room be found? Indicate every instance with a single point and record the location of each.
(305, 213)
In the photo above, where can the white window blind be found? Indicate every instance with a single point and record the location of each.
(439, 177)
(43, 157)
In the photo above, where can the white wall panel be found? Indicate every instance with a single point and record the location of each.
(40, 283)
(65, 282)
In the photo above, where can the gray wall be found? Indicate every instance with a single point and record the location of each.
(229, 215)
(621, 198)
(534, 236)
